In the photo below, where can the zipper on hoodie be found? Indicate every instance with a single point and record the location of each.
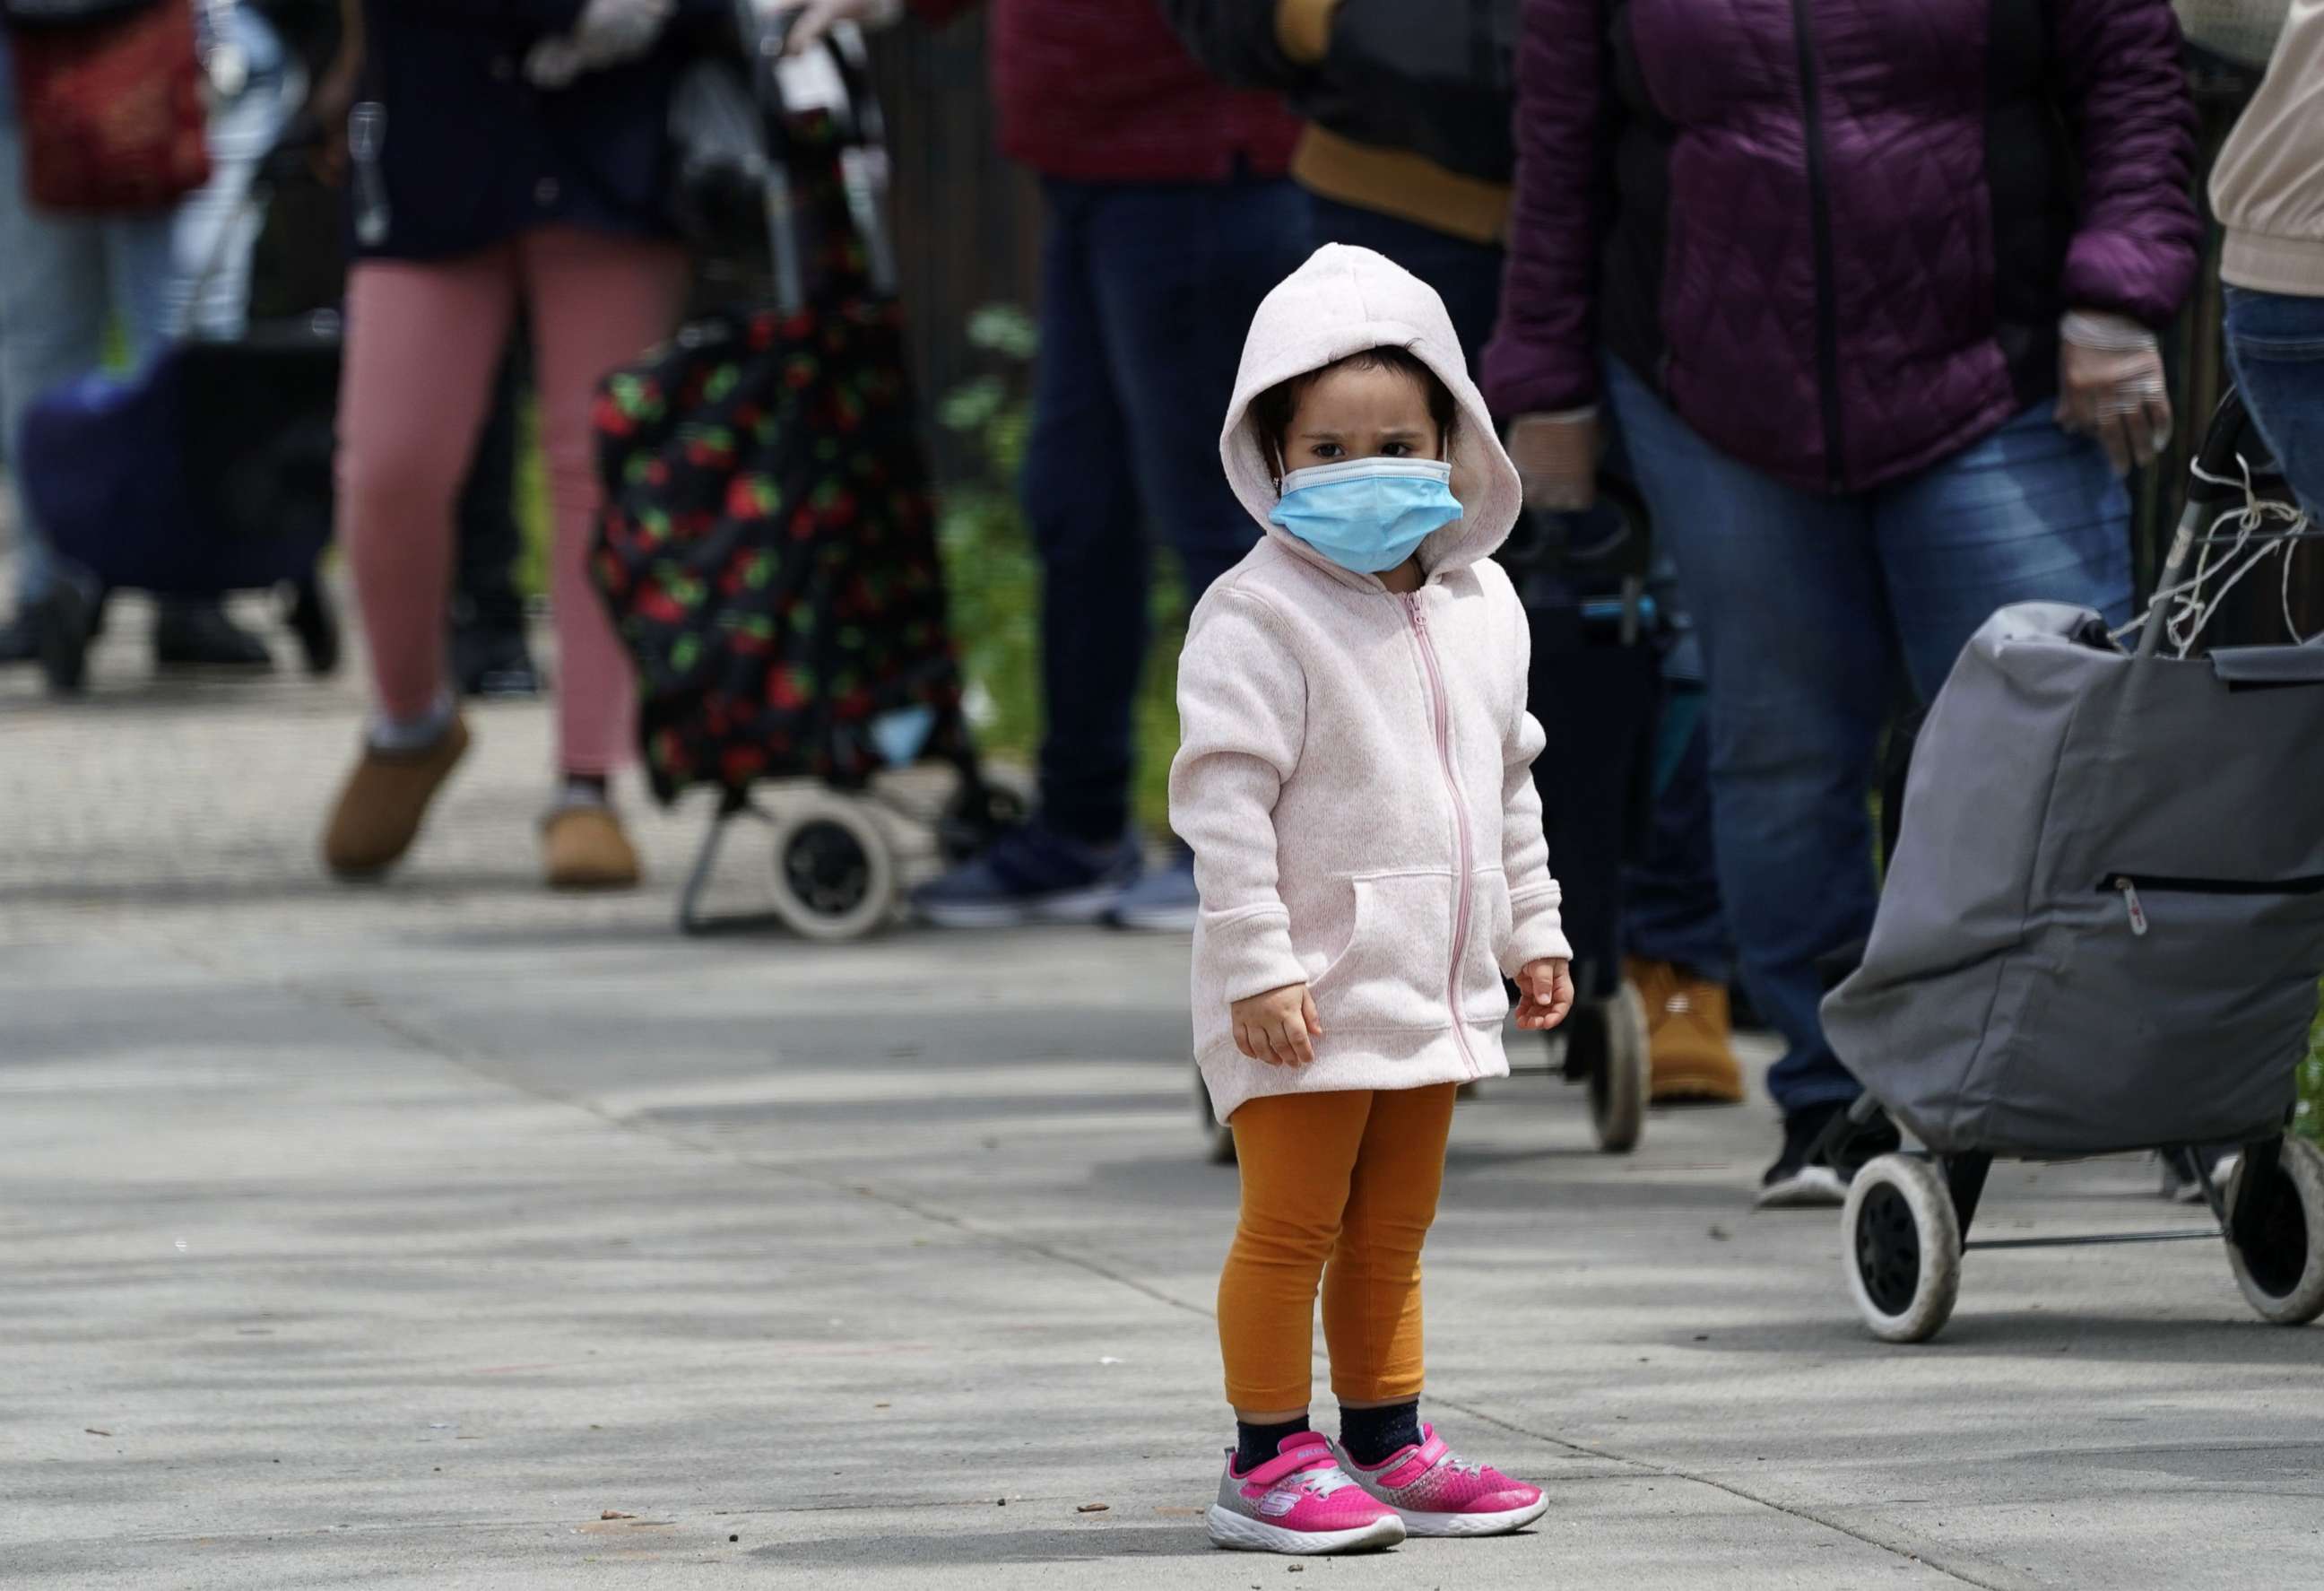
(1440, 714)
(1820, 214)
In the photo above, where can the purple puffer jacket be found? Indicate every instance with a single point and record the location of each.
(1837, 234)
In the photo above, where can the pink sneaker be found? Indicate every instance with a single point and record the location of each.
(1436, 1493)
(1300, 1501)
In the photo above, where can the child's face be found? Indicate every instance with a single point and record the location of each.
(1352, 412)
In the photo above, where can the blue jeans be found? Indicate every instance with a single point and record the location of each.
(2275, 344)
(63, 281)
(1146, 291)
(1817, 615)
(1671, 907)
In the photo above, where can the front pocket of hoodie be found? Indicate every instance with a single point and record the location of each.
(1484, 993)
(1392, 974)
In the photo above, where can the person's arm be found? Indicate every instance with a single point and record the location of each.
(2133, 119)
(1244, 42)
(1541, 367)
(1242, 711)
(334, 96)
(1544, 355)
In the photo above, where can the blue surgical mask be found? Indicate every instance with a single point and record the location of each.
(1367, 514)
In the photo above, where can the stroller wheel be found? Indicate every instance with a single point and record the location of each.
(1901, 1243)
(835, 873)
(2282, 1273)
(1612, 1049)
(1218, 1139)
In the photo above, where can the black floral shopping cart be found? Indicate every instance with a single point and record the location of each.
(767, 549)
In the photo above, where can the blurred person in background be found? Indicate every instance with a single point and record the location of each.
(491, 655)
(1168, 219)
(68, 281)
(2268, 191)
(1871, 291)
(503, 151)
(1406, 149)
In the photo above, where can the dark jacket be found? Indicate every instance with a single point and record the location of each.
(1410, 120)
(1838, 233)
(1101, 91)
(470, 153)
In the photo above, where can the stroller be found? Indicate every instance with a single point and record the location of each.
(208, 470)
(767, 551)
(2103, 925)
(1598, 645)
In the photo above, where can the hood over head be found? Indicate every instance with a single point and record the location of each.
(1342, 302)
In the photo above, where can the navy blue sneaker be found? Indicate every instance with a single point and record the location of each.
(1031, 874)
(1163, 902)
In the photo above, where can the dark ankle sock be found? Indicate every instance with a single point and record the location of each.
(1368, 1436)
(1256, 1444)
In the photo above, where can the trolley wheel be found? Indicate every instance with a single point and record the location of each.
(1619, 1076)
(1901, 1243)
(2283, 1276)
(835, 871)
(1218, 1138)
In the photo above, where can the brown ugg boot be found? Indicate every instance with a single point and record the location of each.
(583, 847)
(1690, 1040)
(382, 802)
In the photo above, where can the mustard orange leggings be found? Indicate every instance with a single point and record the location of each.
(1340, 1187)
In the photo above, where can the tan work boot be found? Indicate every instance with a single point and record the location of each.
(382, 802)
(1690, 1035)
(583, 847)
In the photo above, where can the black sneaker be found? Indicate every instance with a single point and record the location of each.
(1804, 1177)
(199, 635)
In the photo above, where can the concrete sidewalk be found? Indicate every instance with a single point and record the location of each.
(402, 1237)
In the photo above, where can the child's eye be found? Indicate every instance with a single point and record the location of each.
(1396, 450)
(1325, 450)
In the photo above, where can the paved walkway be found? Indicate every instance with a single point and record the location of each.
(447, 1234)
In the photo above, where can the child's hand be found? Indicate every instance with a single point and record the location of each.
(1277, 1027)
(1544, 993)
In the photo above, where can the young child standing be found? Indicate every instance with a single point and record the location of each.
(1355, 779)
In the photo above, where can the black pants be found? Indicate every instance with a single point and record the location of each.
(489, 540)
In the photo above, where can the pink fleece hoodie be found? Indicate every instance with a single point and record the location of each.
(1355, 770)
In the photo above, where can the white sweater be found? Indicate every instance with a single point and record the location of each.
(2268, 187)
(1355, 771)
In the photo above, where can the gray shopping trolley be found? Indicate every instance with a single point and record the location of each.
(2103, 925)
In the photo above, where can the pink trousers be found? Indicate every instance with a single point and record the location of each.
(424, 342)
